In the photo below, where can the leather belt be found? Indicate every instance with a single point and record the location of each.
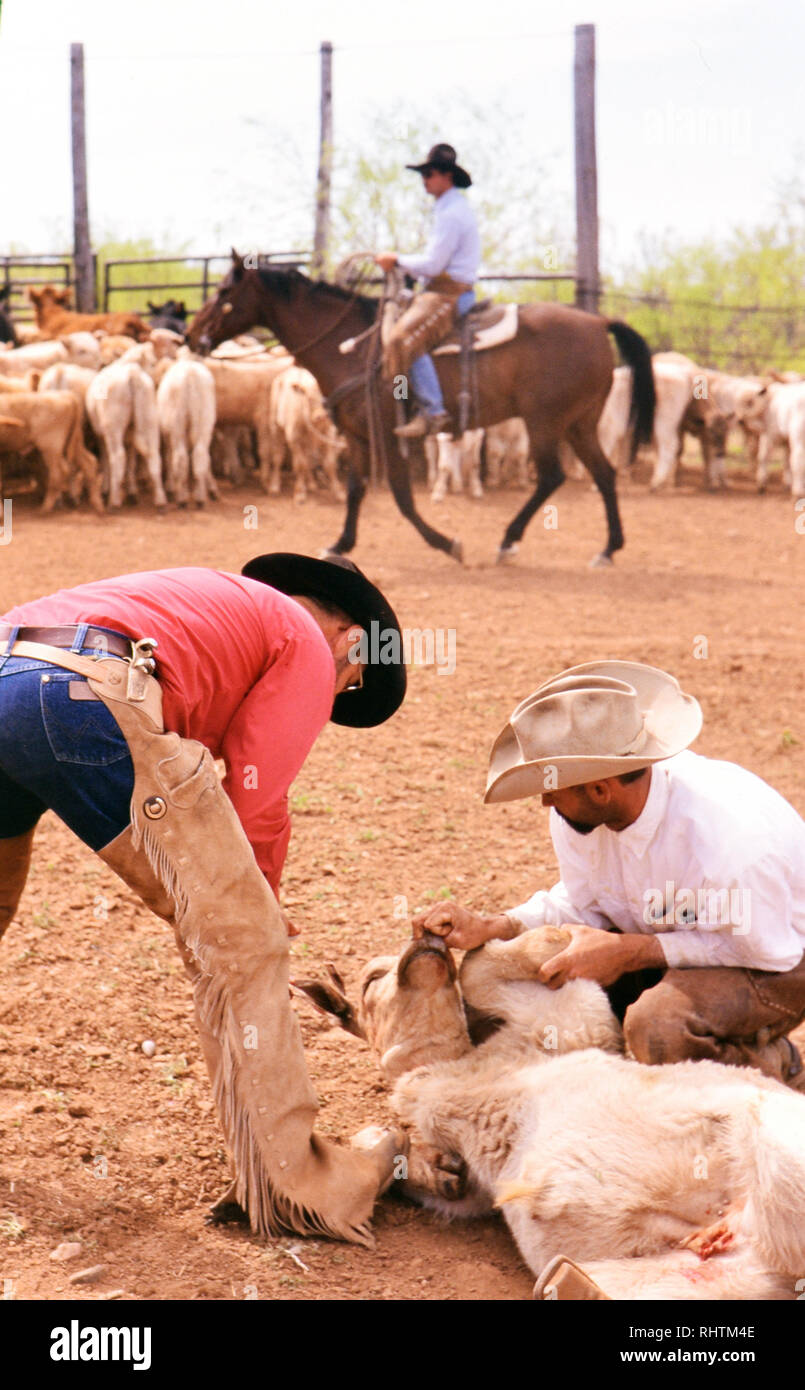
(111, 643)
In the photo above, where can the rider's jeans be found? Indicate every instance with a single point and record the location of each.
(422, 372)
(59, 753)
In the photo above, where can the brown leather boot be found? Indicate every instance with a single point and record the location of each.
(566, 1281)
(15, 860)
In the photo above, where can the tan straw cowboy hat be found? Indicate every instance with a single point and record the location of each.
(590, 722)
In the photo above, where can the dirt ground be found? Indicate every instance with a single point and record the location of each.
(100, 1144)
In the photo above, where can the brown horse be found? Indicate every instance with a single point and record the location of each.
(556, 374)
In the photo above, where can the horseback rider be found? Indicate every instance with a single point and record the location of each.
(449, 265)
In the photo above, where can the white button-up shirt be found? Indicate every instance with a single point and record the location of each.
(715, 862)
(454, 246)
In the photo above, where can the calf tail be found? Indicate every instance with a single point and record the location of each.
(636, 354)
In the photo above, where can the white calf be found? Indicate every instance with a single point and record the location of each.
(682, 1181)
(186, 414)
(775, 414)
(291, 418)
(507, 452)
(675, 385)
(121, 405)
(454, 461)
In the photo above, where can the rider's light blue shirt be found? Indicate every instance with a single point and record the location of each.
(454, 246)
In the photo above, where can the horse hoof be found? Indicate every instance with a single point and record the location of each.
(507, 553)
(329, 555)
(457, 551)
(600, 562)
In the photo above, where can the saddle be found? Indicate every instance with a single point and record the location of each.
(486, 325)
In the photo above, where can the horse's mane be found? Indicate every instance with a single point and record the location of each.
(283, 279)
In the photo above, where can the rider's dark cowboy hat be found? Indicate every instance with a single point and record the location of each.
(443, 158)
(339, 582)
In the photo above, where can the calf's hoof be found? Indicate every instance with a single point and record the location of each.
(457, 551)
(451, 1177)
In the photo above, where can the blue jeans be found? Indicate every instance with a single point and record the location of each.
(61, 754)
(422, 372)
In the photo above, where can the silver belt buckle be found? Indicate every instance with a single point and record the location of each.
(141, 666)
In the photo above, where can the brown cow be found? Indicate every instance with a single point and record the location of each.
(54, 318)
(52, 423)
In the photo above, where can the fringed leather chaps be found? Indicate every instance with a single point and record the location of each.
(185, 834)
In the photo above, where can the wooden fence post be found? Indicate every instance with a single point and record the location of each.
(322, 228)
(82, 251)
(587, 284)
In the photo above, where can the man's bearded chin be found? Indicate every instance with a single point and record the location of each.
(578, 826)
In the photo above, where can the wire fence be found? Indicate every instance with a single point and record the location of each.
(747, 339)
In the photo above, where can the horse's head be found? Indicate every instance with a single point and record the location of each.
(234, 309)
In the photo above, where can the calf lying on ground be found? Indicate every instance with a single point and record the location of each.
(684, 1181)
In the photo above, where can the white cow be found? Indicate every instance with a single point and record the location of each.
(122, 409)
(676, 386)
(292, 419)
(82, 349)
(507, 452)
(775, 414)
(186, 413)
(456, 462)
(682, 1181)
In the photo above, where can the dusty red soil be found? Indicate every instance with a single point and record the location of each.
(100, 1144)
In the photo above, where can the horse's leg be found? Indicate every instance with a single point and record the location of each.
(583, 437)
(358, 462)
(400, 484)
(550, 475)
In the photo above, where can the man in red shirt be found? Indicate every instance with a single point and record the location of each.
(249, 668)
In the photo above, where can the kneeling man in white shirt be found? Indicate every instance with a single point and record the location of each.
(683, 878)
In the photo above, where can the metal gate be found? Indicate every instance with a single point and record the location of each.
(196, 277)
(18, 272)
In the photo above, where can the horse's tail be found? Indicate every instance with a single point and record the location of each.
(636, 354)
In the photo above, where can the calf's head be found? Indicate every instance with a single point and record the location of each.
(409, 1011)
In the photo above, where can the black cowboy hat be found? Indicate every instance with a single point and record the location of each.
(443, 158)
(340, 582)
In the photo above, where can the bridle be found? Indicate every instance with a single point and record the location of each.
(325, 332)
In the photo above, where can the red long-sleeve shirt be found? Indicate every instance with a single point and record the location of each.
(243, 669)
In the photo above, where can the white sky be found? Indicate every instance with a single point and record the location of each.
(700, 108)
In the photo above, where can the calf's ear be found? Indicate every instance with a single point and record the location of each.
(329, 998)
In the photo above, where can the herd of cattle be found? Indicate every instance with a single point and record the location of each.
(86, 400)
